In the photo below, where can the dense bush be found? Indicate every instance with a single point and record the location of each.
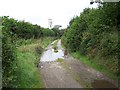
(95, 33)
(8, 55)
(26, 30)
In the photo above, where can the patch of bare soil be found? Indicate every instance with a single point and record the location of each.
(55, 76)
(87, 76)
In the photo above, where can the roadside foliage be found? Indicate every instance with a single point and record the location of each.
(16, 35)
(95, 34)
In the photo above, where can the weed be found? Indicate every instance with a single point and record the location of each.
(28, 56)
(55, 46)
(95, 65)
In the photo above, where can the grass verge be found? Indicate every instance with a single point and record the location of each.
(94, 64)
(28, 55)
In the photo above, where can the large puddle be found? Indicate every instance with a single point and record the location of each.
(103, 84)
(50, 55)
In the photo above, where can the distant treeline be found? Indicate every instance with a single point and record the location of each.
(24, 29)
(95, 34)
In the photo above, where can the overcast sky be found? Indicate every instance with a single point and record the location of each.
(39, 11)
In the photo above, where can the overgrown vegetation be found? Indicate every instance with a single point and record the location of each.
(55, 46)
(22, 45)
(28, 57)
(94, 34)
(0, 52)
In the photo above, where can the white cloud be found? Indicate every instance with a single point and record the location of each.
(38, 11)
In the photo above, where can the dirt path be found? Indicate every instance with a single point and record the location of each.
(70, 73)
(87, 76)
(55, 76)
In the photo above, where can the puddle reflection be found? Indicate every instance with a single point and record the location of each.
(50, 55)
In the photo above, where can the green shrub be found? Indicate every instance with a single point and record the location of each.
(39, 50)
(95, 34)
(8, 55)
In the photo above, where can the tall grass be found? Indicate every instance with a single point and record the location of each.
(28, 55)
(95, 64)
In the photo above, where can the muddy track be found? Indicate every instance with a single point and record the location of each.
(87, 76)
(70, 73)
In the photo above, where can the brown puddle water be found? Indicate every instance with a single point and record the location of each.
(103, 84)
